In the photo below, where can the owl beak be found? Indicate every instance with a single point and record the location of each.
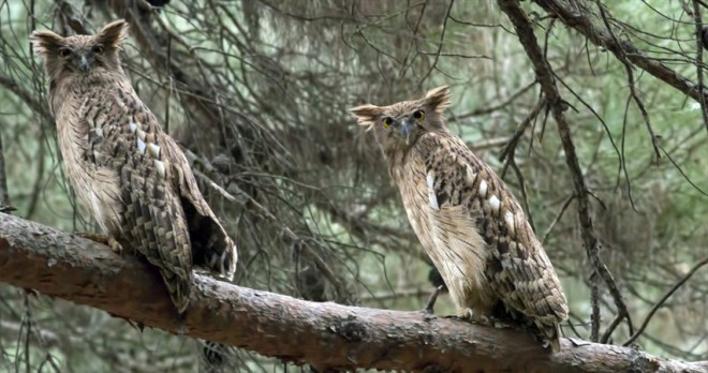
(407, 127)
(84, 63)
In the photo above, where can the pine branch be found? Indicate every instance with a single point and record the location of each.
(325, 335)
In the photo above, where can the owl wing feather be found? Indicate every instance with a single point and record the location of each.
(212, 246)
(153, 221)
(516, 266)
(158, 225)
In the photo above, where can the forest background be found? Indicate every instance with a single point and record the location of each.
(257, 93)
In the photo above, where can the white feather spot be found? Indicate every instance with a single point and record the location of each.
(506, 263)
(432, 199)
(470, 176)
(141, 135)
(160, 167)
(494, 203)
(510, 223)
(98, 132)
(483, 188)
(132, 126)
(141, 146)
(154, 150)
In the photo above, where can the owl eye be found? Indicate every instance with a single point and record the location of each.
(97, 49)
(419, 114)
(387, 122)
(64, 52)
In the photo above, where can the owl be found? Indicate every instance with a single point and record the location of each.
(130, 175)
(467, 220)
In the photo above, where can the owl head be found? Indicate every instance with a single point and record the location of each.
(80, 55)
(398, 126)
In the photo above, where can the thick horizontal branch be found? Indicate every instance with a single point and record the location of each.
(326, 335)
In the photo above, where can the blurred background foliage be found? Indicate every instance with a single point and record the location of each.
(257, 93)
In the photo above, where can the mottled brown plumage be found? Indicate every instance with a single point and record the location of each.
(130, 175)
(467, 220)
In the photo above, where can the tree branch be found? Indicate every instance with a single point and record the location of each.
(581, 22)
(545, 76)
(325, 335)
(26, 96)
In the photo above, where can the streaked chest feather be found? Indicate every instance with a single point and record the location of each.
(448, 234)
(96, 188)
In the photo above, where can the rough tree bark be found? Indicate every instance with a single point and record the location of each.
(325, 335)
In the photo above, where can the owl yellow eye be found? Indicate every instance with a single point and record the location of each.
(97, 49)
(387, 122)
(419, 114)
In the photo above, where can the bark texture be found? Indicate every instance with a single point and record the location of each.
(325, 335)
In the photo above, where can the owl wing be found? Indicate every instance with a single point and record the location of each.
(517, 268)
(153, 220)
(212, 247)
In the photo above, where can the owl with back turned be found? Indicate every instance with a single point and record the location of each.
(130, 175)
(467, 220)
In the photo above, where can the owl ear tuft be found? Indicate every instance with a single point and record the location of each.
(46, 43)
(112, 34)
(366, 114)
(438, 98)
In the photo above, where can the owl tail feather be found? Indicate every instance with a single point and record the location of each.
(553, 339)
(179, 289)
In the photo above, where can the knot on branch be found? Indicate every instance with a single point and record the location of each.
(349, 329)
(642, 363)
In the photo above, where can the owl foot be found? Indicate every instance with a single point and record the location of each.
(475, 318)
(430, 304)
(95, 237)
(103, 239)
(115, 246)
(490, 321)
(7, 209)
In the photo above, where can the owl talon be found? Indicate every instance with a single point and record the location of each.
(95, 237)
(115, 246)
(470, 316)
(489, 321)
(103, 239)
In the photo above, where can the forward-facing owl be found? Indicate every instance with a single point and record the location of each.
(130, 175)
(467, 220)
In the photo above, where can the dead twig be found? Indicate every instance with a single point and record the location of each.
(663, 300)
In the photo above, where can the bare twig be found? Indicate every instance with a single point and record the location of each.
(440, 44)
(580, 21)
(510, 147)
(557, 218)
(26, 96)
(630, 79)
(663, 300)
(4, 192)
(545, 76)
(490, 109)
(698, 20)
